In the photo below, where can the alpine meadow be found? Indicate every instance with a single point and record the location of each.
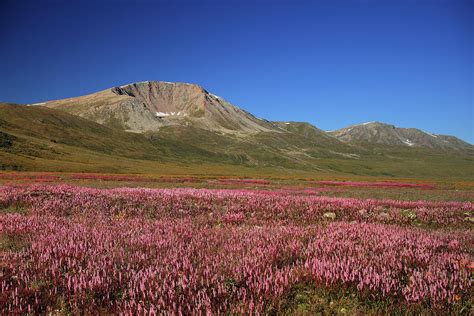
(304, 158)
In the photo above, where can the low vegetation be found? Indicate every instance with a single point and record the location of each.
(264, 247)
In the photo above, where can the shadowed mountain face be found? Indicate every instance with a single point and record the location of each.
(385, 134)
(150, 105)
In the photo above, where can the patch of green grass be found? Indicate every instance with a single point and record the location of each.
(307, 299)
(10, 242)
(13, 209)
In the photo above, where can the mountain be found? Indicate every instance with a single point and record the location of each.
(150, 105)
(179, 128)
(189, 114)
(159, 106)
(386, 134)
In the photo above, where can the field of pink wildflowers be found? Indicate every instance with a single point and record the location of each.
(182, 251)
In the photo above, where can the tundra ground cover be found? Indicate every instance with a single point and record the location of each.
(255, 206)
(241, 181)
(130, 178)
(385, 184)
(404, 189)
(73, 249)
(30, 177)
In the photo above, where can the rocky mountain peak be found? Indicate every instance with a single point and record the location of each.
(150, 105)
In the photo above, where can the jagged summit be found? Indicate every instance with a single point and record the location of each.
(157, 83)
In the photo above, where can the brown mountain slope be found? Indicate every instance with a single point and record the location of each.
(150, 105)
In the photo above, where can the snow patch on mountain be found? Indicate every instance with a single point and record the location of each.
(165, 114)
(215, 96)
(408, 142)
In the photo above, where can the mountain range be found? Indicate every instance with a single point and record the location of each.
(150, 125)
(386, 134)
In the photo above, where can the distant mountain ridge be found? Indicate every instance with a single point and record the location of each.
(387, 134)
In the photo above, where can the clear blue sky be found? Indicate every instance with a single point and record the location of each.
(332, 63)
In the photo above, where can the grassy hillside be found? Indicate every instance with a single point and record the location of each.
(32, 136)
(43, 139)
